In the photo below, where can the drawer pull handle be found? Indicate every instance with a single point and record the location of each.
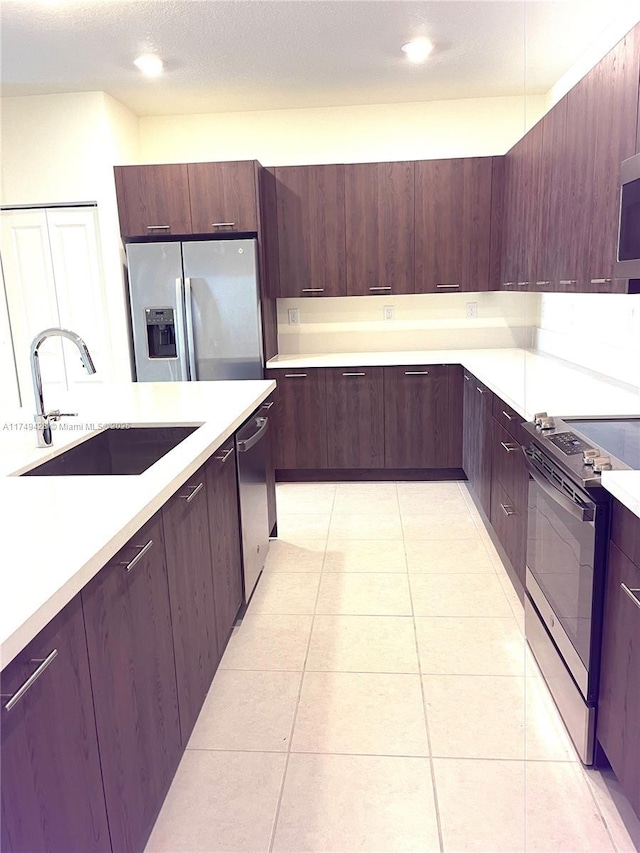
(133, 563)
(601, 280)
(313, 290)
(294, 375)
(416, 373)
(381, 287)
(507, 284)
(480, 390)
(354, 374)
(523, 284)
(567, 281)
(632, 593)
(507, 510)
(194, 491)
(17, 696)
(467, 378)
(158, 228)
(507, 415)
(445, 286)
(508, 446)
(225, 455)
(222, 224)
(267, 405)
(542, 283)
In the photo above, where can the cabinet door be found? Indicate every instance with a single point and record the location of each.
(223, 196)
(453, 219)
(301, 425)
(355, 418)
(153, 200)
(224, 533)
(379, 223)
(509, 522)
(186, 532)
(619, 701)
(126, 609)
(52, 796)
(422, 417)
(477, 434)
(552, 262)
(509, 496)
(311, 238)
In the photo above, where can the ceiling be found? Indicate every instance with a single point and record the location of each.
(223, 55)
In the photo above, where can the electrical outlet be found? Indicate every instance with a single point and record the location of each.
(472, 310)
(388, 312)
(294, 316)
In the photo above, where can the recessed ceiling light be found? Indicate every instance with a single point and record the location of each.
(150, 64)
(418, 49)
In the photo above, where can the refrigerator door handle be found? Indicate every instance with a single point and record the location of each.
(181, 336)
(190, 339)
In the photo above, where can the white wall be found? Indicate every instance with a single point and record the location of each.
(60, 149)
(421, 322)
(596, 330)
(354, 134)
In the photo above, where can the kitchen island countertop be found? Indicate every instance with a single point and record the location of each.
(58, 532)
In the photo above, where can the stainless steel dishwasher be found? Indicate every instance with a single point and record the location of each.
(251, 447)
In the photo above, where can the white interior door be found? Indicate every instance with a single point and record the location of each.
(77, 270)
(31, 297)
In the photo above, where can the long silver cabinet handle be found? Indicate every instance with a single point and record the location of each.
(509, 447)
(195, 489)
(507, 415)
(568, 281)
(312, 290)
(158, 227)
(507, 510)
(226, 454)
(354, 374)
(444, 286)
(143, 550)
(381, 287)
(601, 280)
(17, 696)
(222, 224)
(416, 373)
(632, 593)
(294, 375)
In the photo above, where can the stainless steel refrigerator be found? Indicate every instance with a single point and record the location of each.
(195, 310)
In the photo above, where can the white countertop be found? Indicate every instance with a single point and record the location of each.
(529, 382)
(58, 532)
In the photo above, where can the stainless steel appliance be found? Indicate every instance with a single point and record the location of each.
(251, 455)
(628, 254)
(195, 310)
(567, 540)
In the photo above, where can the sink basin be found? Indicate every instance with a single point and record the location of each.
(114, 451)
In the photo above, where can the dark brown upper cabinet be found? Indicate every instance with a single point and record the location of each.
(379, 227)
(311, 238)
(223, 196)
(452, 224)
(153, 200)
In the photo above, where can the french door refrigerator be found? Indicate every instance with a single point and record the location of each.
(195, 310)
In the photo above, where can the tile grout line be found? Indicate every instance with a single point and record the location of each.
(424, 703)
(276, 816)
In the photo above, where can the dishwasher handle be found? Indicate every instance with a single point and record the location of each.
(247, 443)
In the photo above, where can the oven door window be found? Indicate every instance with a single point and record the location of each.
(560, 555)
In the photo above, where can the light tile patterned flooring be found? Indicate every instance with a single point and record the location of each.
(378, 696)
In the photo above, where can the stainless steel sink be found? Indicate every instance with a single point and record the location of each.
(114, 451)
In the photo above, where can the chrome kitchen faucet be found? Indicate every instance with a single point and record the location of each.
(43, 419)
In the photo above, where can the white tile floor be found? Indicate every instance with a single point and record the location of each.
(378, 696)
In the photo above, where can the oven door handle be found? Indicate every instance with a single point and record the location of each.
(581, 513)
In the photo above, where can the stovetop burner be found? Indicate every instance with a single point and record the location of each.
(619, 437)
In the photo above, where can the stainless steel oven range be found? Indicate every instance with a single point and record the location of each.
(567, 541)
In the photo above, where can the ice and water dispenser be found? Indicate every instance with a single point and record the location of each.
(161, 332)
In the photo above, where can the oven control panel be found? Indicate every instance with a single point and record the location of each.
(569, 443)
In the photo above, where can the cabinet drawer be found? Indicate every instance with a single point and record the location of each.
(507, 417)
(510, 525)
(508, 466)
(625, 531)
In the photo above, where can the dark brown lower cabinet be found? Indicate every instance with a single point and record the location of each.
(423, 416)
(618, 727)
(270, 409)
(224, 533)
(301, 424)
(52, 795)
(477, 433)
(355, 417)
(186, 532)
(509, 522)
(128, 624)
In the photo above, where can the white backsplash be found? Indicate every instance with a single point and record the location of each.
(598, 331)
(421, 322)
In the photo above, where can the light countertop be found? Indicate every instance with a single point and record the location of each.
(527, 381)
(58, 532)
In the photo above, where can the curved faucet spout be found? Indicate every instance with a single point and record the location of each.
(43, 427)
